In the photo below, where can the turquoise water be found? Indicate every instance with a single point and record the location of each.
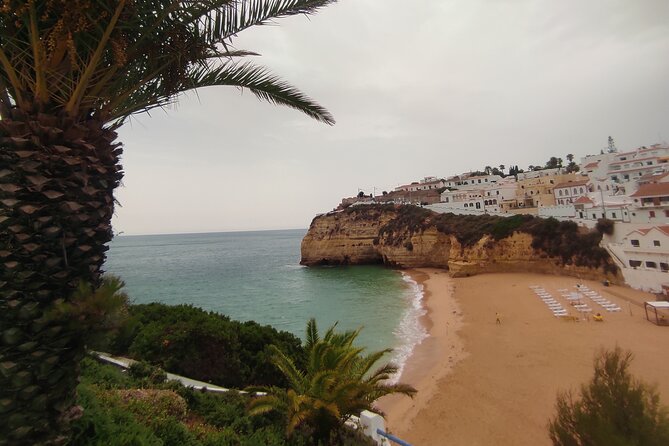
(257, 276)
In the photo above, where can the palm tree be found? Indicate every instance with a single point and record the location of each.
(336, 383)
(71, 73)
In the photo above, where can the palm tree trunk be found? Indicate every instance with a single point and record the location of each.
(57, 179)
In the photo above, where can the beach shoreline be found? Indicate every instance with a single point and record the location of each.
(481, 382)
(425, 366)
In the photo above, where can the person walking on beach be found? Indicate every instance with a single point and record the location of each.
(498, 321)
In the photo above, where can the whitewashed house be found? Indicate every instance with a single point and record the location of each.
(651, 203)
(568, 192)
(643, 256)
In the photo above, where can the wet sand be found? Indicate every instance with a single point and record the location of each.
(480, 382)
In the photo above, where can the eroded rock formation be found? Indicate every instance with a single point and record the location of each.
(403, 237)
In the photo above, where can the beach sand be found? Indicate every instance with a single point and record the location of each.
(481, 383)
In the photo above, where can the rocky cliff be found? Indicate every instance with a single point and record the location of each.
(407, 236)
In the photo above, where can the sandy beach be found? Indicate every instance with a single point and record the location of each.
(480, 382)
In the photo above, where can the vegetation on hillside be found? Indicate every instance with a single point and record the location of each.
(120, 409)
(203, 345)
(613, 409)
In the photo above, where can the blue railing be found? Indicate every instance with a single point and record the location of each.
(392, 438)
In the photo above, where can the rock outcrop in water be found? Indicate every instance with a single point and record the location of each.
(408, 236)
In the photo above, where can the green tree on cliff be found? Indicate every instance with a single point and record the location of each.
(71, 73)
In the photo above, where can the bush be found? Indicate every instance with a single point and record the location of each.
(204, 345)
(104, 376)
(108, 425)
(613, 409)
(144, 371)
(604, 226)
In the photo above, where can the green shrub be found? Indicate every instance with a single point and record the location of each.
(204, 345)
(105, 376)
(613, 409)
(144, 371)
(108, 425)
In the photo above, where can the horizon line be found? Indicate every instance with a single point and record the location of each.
(124, 234)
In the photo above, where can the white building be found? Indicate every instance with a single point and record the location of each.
(643, 257)
(426, 183)
(570, 191)
(539, 173)
(627, 168)
(484, 198)
(651, 203)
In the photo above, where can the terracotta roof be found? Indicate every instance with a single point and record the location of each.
(652, 190)
(572, 183)
(589, 165)
(653, 176)
(584, 200)
(634, 160)
(643, 231)
(653, 147)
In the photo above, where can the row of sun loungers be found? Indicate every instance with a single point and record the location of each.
(553, 305)
(599, 299)
(577, 300)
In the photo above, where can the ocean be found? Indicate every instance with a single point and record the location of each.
(257, 276)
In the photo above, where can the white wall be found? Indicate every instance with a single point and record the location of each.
(566, 210)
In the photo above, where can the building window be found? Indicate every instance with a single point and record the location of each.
(656, 243)
(613, 215)
(635, 263)
(651, 265)
(580, 189)
(594, 216)
(627, 177)
(560, 192)
(635, 243)
(651, 214)
(666, 213)
(664, 267)
(552, 182)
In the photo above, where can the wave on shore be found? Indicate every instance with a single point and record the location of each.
(410, 331)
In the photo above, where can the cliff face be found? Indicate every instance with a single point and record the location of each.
(362, 237)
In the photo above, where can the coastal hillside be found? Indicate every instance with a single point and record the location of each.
(410, 237)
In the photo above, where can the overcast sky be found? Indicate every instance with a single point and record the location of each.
(421, 88)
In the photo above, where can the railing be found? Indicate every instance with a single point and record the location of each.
(392, 438)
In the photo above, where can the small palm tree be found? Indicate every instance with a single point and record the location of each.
(337, 382)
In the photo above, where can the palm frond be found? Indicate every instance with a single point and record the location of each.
(108, 60)
(312, 334)
(258, 80)
(227, 21)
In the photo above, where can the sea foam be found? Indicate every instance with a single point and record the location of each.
(410, 331)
